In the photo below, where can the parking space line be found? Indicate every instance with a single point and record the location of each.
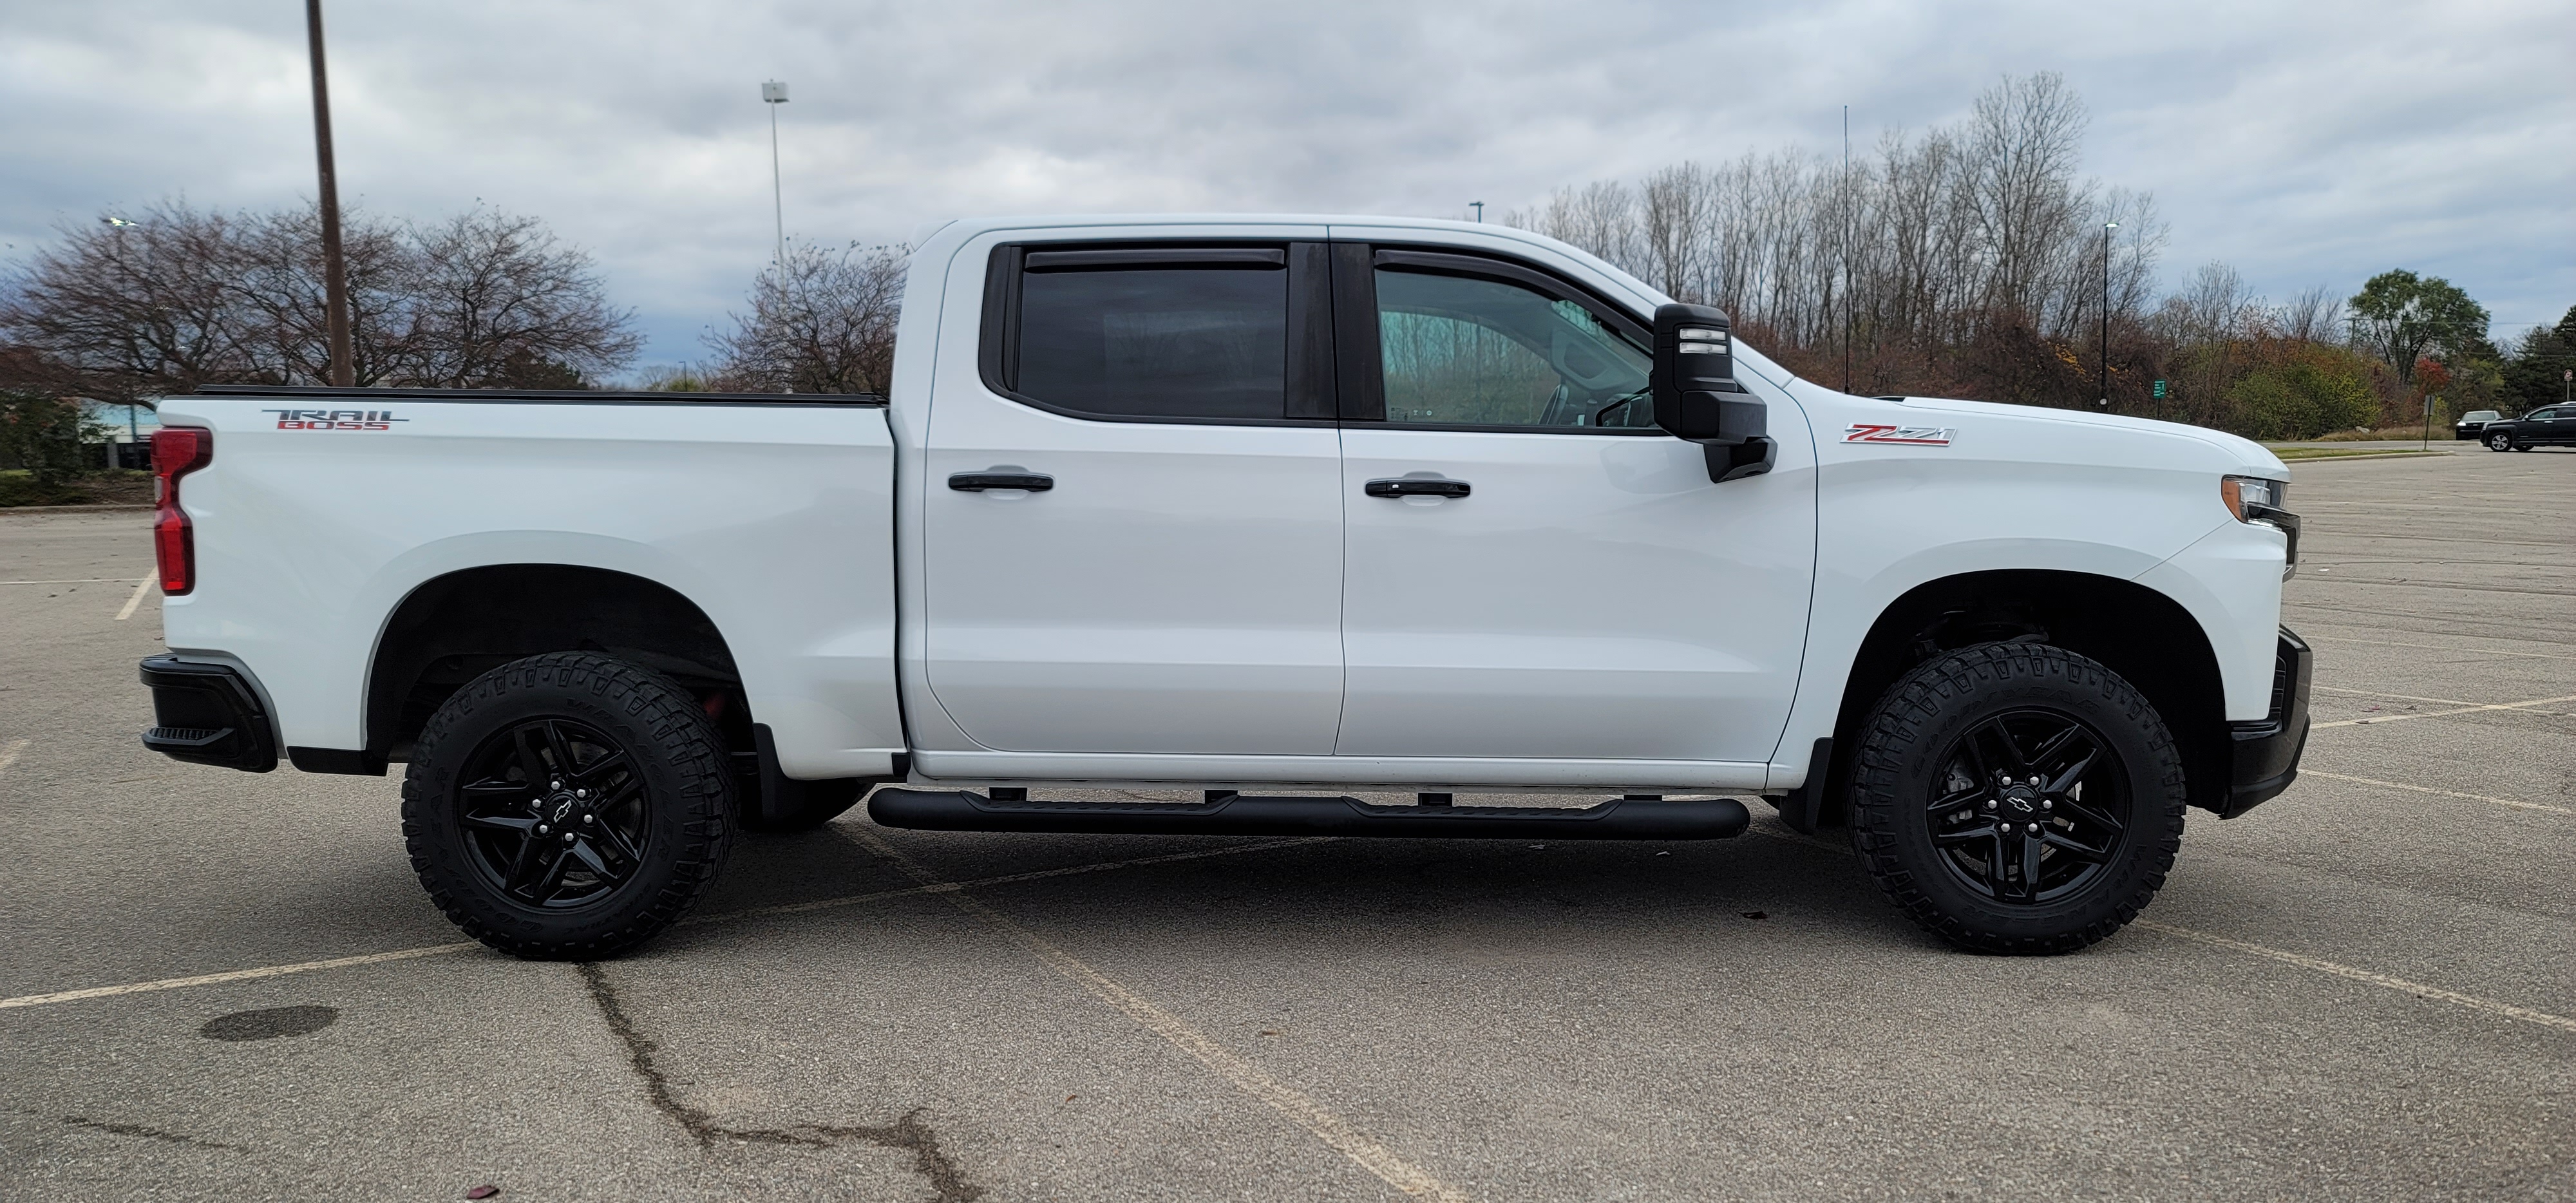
(2377, 719)
(2432, 647)
(9, 754)
(401, 954)
(235, 975)
(2399, 697)
(2320, 964)
(2447, 793)
(141, 587)
(86, 580)
(1305, 1112)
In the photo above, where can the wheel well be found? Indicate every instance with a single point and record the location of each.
(457, 627)
(2144, 636)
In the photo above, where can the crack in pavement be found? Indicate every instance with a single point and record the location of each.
(908, 1133)
(122, 1129)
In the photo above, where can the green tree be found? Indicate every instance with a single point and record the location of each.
(2306, 390)
(2399, 316)
(2531, 375)
(44, 435)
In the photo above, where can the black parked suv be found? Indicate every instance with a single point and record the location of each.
(2547, 426)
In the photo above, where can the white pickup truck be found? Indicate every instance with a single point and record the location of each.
(1259, 506)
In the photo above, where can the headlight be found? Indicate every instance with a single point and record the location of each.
(2258, 501)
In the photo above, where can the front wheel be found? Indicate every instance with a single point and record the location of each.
(2017, 798)
(567, 806)
(2499, 442)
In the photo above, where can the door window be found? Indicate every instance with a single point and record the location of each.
(1464, 350)
(1205, 342)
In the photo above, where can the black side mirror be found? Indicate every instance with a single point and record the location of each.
(1697, 397)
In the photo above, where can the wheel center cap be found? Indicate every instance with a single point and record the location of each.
(559, 806)
(2020, 799)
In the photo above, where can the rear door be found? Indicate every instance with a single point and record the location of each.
(1584, 591)
(1133, 519)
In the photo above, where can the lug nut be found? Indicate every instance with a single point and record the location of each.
(1990, 804)
(567, 837)
(2045, 804)
(581, 793)
(556, 785)
(541, 829)
(590, 818)
(2034, 829)
(2034, 781)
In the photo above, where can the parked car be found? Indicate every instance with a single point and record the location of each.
(2473, 424)
(2547, 426)
(1241, 505)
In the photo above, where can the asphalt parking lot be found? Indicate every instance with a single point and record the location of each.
(220, 984)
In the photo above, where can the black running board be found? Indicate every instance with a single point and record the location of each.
(1240, 814)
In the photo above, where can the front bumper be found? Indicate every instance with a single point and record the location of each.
(2266, 752)
(207, 714)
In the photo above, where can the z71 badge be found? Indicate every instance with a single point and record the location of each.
(1910, 436)
(335, 419)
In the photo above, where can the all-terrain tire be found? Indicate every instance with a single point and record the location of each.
(681, 800)
(1911, 746)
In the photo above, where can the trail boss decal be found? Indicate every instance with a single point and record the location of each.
(335, 419)
(1910, 436)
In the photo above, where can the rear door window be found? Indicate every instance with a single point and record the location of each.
(1153, 334)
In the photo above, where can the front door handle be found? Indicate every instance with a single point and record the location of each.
(977, 482)
(1418, 486)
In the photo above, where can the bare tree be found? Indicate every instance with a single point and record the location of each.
(497, 301)
(133, 308)
(820, 322)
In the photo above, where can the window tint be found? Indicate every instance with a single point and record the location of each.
(1471, 351)
(1196, 342)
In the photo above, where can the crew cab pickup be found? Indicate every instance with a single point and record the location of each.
(1272, 508)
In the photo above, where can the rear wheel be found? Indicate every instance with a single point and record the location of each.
(567, 806)
(2017, 798)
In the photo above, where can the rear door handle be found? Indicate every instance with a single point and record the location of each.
(1418, 486)
(977, 482)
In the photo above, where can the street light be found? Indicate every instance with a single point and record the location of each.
(774, 93)
(2107, 227)
(1479, 207)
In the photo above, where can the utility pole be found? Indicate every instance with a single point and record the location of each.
(1479, 207)
(2107, 227)
(1847, 230)
(774, 94)
(335, 276)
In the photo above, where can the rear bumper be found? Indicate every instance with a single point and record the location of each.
(207, 714)
(2266, 752)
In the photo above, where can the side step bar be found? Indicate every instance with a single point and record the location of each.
(1239, 814)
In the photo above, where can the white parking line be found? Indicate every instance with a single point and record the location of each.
(86, 580)
(1305, 1112)
(2321, 965)
(2400, 697)
(2375, 720)
(141, 587)
(2418, 989)
(2429, 647)
(9, 754)
(403, 954)
(2447, 793)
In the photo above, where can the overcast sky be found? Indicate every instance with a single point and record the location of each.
(2305, 144)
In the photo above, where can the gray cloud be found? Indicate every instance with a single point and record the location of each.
(2306, 144)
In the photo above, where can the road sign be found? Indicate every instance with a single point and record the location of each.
(2160, 390)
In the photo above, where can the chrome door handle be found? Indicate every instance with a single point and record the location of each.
(1418, 486)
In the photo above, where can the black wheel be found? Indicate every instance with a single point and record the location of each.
(2017, 798)
(2499, 442)
(567, 806)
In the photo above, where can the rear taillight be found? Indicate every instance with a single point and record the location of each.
(176, 452)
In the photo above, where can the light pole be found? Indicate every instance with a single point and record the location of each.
(335, 279)
(774, 93)
(2107, 227)
(1479, 207)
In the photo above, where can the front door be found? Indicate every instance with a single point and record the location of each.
(1584, 591)
(1133, 521)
